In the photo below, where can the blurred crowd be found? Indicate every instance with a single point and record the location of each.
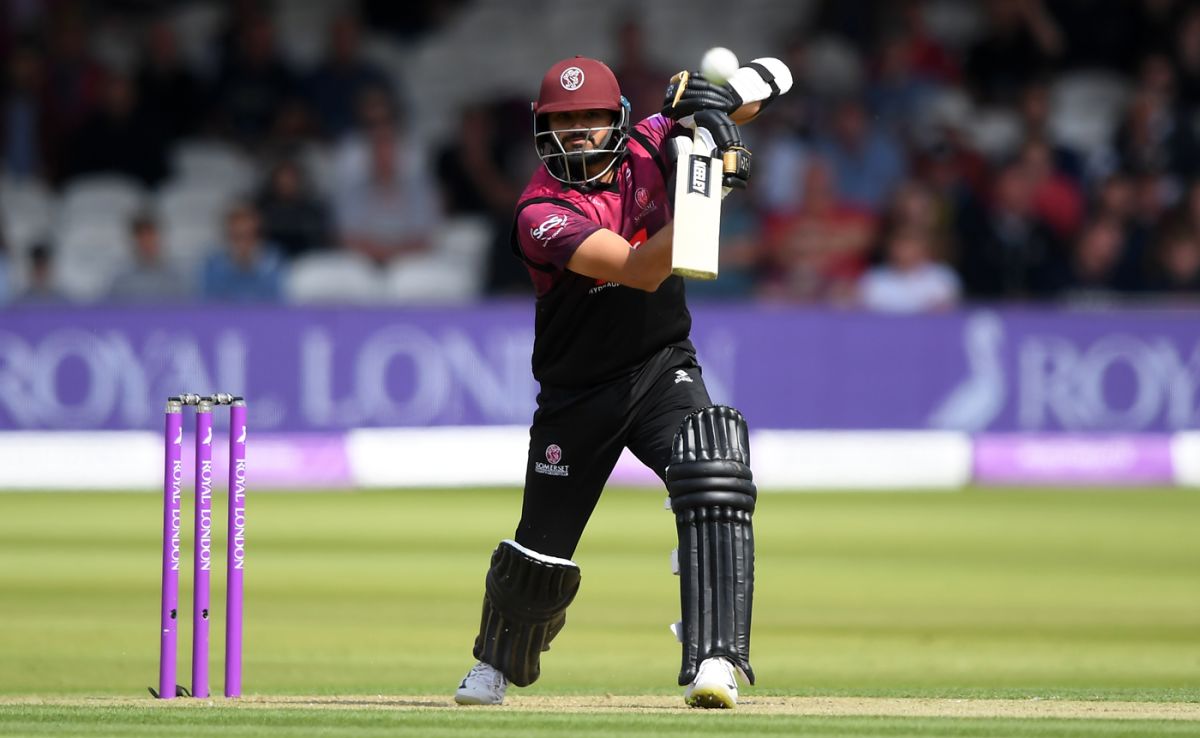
(930, 153)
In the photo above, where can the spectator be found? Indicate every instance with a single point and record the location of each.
(641, 82)
(785, 140)
(1034, 109)
(898, 92)
(1007, 251)
(947, 163)
(1093, 269)
(1187, 58)
(42, 287)
(74, 81)
(170, 93)
(1116, 199)
(387, 201)
(1176, 265)
(867, 162)
(150, 279)
(293, 133)
(928, 57)
(337, 84)
(477, 169)
(1152, 136)
(253, 84)
(119, 137)
(246, 269)
(915, 206)
(817, 251)
(1020, 43)
(24, 125)
(909, 280)
(293, 217)
(1154, 191)
(1057, 199)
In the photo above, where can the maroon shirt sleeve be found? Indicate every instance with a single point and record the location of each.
(550, 233)
(657, 131)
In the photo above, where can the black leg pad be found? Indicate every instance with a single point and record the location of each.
(524, 606)
(713, 496)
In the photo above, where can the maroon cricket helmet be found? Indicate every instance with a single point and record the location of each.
(578, 83)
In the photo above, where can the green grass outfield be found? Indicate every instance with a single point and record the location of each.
(990, 612)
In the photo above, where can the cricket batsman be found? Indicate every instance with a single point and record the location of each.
(617, 370)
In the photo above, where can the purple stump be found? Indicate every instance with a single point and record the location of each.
(203, 543)
(236, 555)
(172, 484)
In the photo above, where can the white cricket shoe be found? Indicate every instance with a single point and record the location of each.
(483, 685)
(715, 685)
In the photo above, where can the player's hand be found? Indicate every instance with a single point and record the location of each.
(690, 92)
(735, 156)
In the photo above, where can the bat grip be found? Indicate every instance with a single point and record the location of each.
(729, 161)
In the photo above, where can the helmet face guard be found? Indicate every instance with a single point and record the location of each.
(571, 167)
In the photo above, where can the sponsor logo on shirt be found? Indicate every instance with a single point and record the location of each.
(549, 228)
(554, 455)
(681, 376)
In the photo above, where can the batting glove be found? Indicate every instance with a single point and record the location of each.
(690, 92)
(735, 156)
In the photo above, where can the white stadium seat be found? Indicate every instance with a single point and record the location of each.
(187, 203)
(451, 271)
(1086, 107)
(334, 277)
(26, 213)
(88, 256)
(187, 245)
(213, 164)
(111, 198)
(996, 132)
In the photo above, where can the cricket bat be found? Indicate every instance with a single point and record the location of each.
(697, 206)
(700, 167)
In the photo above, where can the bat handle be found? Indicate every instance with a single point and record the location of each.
(729, 161)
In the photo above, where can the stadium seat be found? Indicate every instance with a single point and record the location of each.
(213, 164)
(336, 277)
(302, 27)
(953, 22)
(450, 272)
(187, 244)
(27, 210)
(996, 132)
(189, 203)
(89, 255)
(1086, 107)
(102, 197)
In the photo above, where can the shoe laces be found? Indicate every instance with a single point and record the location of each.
(727, 670)
(489, 672)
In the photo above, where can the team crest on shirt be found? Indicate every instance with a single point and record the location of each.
(641, 196)
(571, 78)
(549, 228)
(554, 455)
